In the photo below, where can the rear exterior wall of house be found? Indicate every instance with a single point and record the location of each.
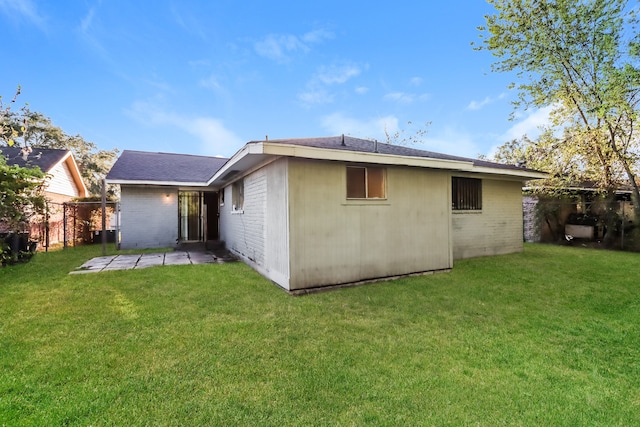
(335, 239)
(149, 217)
(495, 229)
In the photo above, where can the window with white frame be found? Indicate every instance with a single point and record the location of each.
(366, 182)
(237, 195)
(466, 194)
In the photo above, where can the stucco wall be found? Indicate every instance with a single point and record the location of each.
(334, 240)
(497, 228)
(149, 217)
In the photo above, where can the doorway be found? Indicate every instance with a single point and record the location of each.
(197, 216)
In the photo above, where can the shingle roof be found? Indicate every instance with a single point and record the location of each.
(164, 167)
(44, 158)
(368, 146)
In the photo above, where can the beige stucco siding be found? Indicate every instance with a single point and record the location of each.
(497, 228)
(334, 240)
(149, 217)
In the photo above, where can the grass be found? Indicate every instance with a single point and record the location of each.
(547, 337)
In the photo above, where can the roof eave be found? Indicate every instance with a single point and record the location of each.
(158, 183)
(515, 173)
(364, 157)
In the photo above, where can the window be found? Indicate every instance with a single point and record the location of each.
(237, 195)
(366, 182)
(466, 194)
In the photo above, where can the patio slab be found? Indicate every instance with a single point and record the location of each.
(129, 262)
(150, 260)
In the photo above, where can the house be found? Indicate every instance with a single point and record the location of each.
(318, 212)
(575, 211)
(63, 183)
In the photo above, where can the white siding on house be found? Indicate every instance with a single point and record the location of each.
(61, 181)
(497, 228)
(149, 217)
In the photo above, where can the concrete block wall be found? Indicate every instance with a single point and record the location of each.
(497, 228)
(244, 231)
(149, 217)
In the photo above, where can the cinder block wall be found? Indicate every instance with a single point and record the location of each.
(149, 217)
(244, 231)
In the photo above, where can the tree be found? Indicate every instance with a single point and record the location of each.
(581, 58)
(403, 137)
(36, 130)
(9, 127)
(21, 195)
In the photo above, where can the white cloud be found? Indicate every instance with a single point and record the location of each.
(400, 97)
(416, 81)
(406, 98)
(317, 36)
(210, 132)
(361, 90)
(25, 9)
(530, 125)
(448, 141)
(477, 105)
(87, 22)
(211, 82)
(315, 96)
(279, 47)
(337, 74)
(316, 91)
(451, 141)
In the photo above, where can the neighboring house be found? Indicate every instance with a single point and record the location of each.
(578, 213)
(317, 212)
(63, 184)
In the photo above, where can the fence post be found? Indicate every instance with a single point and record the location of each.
(64, 223)
(104, 217)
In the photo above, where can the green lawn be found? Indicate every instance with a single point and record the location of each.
(547, 337)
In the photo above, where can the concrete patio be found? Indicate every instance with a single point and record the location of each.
(137, 261)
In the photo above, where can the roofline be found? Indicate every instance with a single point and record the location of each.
(618, 191)
(303, 151)
(75, 172)
(159, 183)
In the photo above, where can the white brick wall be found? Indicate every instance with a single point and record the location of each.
(497, 228)
(244, 232)
(149, 217)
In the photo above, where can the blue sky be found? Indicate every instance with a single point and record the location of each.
(205, 77)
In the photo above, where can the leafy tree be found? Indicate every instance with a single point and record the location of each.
(39, 132)
(9, 127)
(21, 195)
(581, 58)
